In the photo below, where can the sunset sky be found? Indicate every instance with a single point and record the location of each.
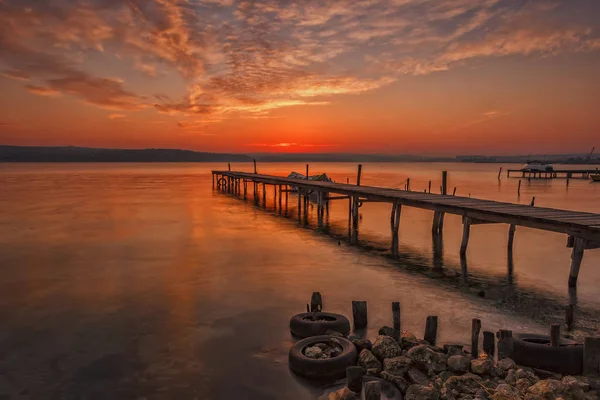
(434, 77)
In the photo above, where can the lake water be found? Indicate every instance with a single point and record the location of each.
(140, 281)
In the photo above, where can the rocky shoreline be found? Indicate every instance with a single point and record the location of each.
(424, 371)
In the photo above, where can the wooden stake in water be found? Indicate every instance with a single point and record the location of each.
(431, 326)
(475, 329)
(519, 188)
(499, 172)
(255, 166)
(358, 174)
(555, 335)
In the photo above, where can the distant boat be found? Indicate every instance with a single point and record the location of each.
(595, 177)
(537, 166)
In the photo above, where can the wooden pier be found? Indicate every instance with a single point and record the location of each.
(554, 174)
(582, 228)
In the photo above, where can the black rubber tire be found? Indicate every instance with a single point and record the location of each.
(302, 326)
(533, 350)
(322, 369)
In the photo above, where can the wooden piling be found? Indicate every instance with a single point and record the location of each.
(569, 316)
(354, 378)
(358, 175)
(431, 327)
(373, 390)
(306, 172)
(499, 172)
(475, 330)
(359, 314)
(299, 204)
(255, 171)
(264, 185)
(429, 186)
(465, 237)
(532, 201)
(505, 344)
(489, 343)
(554, 335)
(444, 182)
(280, 190)
(354, 234)
(228, 166)
(396, 318)
(395, 225)
(408, 184)
(576, 258)
(316, 302)
(245, 189)
(519, 188)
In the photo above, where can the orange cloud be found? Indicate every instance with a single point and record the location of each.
(42, 91)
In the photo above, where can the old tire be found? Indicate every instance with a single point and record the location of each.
(533, 350)
(303, 325)
(322, 369)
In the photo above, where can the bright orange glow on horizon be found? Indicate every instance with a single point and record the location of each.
(370, 76)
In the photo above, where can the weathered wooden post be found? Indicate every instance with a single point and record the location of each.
(254, 160)
(245, 189)
(354, 233)
(396, 319)
(359, 314)
(306, 171)
(532, 201)
(264, 185)
(519, 188)
(395, 224)
(299, 204)
(489, 343)
(354, 377)
(554, 335)
(408, 184)
(576, 258)
(444, 182)
(475, 330)
(316, 302)
(454, 191)
(569, 316)
(591, 356)
(228, 166)
(499, 172)
(431, 326)
(213, 180)
(465, 237)
(358, 174)
(429, 186)
(505, 344)
(511, 237)
(373, 390)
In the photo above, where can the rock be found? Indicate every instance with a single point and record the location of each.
(386, 347)
(523, 384)
(527, 374)
(313, 352)
(401, 383)
(547, 389)
(506, 364)
(428, 360)
(343, 394)
(482, 394)
(466, 384)
(362, 344)
(444, 376)
(387, 331)
(576, 383)
(454, 349)
(511, 377)
(397, 365)
(591, 396)
(420, 392)
(353, 336)
(482, 366)
(322, 346)
(417, 377)
(369, 362)
(408, 336)
(458, 363)
(333, 333)
(506, 392)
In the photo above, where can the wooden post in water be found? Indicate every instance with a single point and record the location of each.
(576, 258)
(408, 184)
(395, 222)
(499, 172)
(228, 166)
(519, 188)
(245, 189)
(532, 201)
(316, 302)
(431, 327)
(489, 343)
(264, 195)
(299, 204)
(475, 330)
(354, 378)
(505, 344)
(280, 194)
(306, 171)
(465, 237)
(554, 335)
(255, 171)
(511, 237)
(359, 314)
(569, 316)
(444, 182)
(354, 234)
(358, 175)
(429, 186)
(396, 318)
(454, 191)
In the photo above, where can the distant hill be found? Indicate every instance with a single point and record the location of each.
(343, 157)
(87, 154)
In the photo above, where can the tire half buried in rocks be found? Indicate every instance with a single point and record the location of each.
(322, 369)
(318, 323)
(533, 350)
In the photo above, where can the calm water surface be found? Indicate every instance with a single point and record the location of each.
(140, 281)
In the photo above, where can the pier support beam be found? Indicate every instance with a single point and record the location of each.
(438, 222)
(354, 229)
(395, 225)
(511, 237)
(576, 257)
(465, 237)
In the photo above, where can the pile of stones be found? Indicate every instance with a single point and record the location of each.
(426, 372)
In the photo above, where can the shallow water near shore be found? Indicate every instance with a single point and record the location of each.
(140, 280)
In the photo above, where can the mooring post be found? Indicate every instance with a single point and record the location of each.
(396, 319)
(373, 390)
(475, 330)
(395, 221)
(429, 186)
(444, 182)
(358, 175)
(499, 172)
(306, 171)
(576, 258)
(354, 377)
(519, 188)
(228, 166)
(354, 233)
(245, 189)
(359, 314)
(454, 191)
(299, 204)
(489, 343)
(254, 160)
(465, 237)
(511, 237)
(264, 195)
(554, 335)
(408, 184)
(505, 344)
(316, 302)
(431, 326)
(569, 316)
(280, 195)
(213, 180)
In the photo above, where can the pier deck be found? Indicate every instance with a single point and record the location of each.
(582, 228)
